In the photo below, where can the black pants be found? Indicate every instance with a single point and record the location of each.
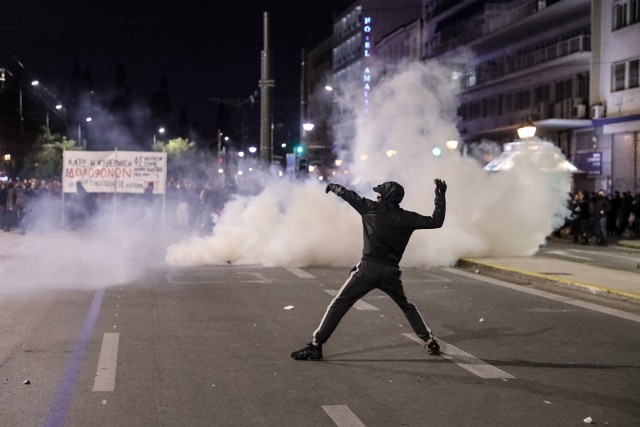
(365, 277)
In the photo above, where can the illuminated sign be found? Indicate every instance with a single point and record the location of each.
(366, 73)
(590, 162)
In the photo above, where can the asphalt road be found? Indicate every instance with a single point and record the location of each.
(210, 346)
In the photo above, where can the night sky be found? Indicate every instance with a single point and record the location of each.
(205, 49)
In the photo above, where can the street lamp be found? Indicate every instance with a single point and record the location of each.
(160, 130)
(451, 144)
(527, 130)
(84, 144)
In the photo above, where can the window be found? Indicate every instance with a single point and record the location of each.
(619, 15)
(522, 100)
(625, 13)
(634, 12)
(625, 75)
(542, 94)
(583, 85)
(564, 90)
(634, 75)
(618, 76)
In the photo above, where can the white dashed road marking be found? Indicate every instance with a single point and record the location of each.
(342, 416)
(568, 255)
(300, 273)
(359, 305)
(467, 361)
(107, 363)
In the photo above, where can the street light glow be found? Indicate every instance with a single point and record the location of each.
(308, 126)
(527, 131)
(252, 149)
(452, 144)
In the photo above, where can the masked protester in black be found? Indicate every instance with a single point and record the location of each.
(387, 229)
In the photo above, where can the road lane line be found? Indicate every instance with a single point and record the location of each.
(62, 399)
(626, 258)
(107, 363)
(568, 255)
(342, 416)
(543, 294)
(466, 361)
(359, 305)
(300, 273)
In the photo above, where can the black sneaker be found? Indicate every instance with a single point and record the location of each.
(432, 346)
(310, 351)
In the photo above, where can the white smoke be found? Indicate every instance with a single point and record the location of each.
(409, 114)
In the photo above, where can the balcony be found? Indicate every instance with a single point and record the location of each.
(520, 21)
(493, 70)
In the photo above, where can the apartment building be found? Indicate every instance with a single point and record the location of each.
(571, 67)
(568, 66)
(614, 98)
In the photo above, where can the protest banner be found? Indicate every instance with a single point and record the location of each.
(114, 171)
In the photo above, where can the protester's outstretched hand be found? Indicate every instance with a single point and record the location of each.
(441, 186)
(336, 188)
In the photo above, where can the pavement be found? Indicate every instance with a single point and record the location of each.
(584, 277)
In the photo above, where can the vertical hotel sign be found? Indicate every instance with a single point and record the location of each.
(366, 72)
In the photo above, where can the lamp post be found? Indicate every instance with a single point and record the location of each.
(7, 161)
(83, 143)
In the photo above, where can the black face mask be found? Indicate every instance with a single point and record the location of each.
(379, 197)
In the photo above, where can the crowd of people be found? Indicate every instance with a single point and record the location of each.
(596, 216)
(41, 205)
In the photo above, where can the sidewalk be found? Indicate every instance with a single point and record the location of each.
(595, 280)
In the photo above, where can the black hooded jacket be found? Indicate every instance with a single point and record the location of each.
(387, 227)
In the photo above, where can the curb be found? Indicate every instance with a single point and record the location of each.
(631, 244)
(549, 280)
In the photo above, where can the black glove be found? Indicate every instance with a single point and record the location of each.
(336, 188)
(441, 186)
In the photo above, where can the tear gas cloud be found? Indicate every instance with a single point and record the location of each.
(88, 259)
(111, 249)
(409, 114)
(294, 223)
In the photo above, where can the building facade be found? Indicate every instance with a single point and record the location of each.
(569, 66)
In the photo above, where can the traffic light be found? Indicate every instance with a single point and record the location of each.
(299, 150)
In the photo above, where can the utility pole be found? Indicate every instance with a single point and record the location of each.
(303, 105)
(266, 143)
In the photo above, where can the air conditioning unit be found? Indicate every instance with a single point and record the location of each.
(597, 111)
(579, 111)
